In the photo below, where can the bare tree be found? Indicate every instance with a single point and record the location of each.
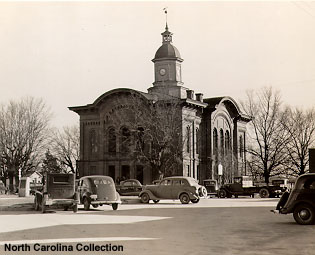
(65, 146)
(23, 125)
(267, 137)
(300, 124)
(151, 132)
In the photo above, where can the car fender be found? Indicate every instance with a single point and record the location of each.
(300, 202)
(151, 195)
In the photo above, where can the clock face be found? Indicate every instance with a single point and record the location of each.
(162, 71)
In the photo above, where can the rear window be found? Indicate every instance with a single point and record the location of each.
(61, 179)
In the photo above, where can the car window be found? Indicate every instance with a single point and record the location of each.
(128, 184)
(309, 184)
(184, 183)
(177, 182)
(166, 182)
(84, 183)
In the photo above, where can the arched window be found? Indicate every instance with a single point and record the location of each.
(215, 141)
(111, 140)
(221, 142)
(93, 141)
(140, 139)
(125, 139)
(227, 141)
(241, 147)
(188, 139)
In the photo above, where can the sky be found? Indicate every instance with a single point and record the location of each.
(70, 53)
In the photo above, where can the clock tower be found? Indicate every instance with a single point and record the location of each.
(167, 68)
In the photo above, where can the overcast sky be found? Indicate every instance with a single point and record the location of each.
(70, 53)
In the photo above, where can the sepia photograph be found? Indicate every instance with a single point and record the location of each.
(157, 127)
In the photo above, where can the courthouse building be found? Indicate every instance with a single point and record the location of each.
(215, 128)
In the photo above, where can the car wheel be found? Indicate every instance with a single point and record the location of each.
(66, 208)
(264, 193)
(75, 208)
(184, 198)
(36, 203)
(304, 214)
(156, 201)
(145, 198)
(86, 204)
(115, 206)
(222, 193)
(95, 206)
(195, 201)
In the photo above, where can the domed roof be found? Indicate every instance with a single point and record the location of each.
(167, 50)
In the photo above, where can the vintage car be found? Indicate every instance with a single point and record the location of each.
(185, 189)
(98, 190)
(131, 187)
(300, 201)
(58, 189)
(212, 187)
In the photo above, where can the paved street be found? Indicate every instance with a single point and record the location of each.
(213, 226)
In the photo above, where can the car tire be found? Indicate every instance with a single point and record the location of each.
(195, 201)
(145, 198)
(156, 201)
(264, 193)
(86, 204)
(65, 208)
(95, 206)
(304, 214)
(115, 206)
(184, 198)
(222, 193)
(75, 208)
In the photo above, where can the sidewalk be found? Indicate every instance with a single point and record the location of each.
(16, 203)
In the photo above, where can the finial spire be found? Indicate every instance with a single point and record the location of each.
(165, 11)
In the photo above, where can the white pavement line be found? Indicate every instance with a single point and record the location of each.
(11, 223)
(78, 240)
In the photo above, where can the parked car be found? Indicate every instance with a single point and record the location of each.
(130, 187)
(57, 189)
(185, 189)
(98, 190)
(300, 201)
(212, 187)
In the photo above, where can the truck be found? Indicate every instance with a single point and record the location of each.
(57, 189)
(243, 186)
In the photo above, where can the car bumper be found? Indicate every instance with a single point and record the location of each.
(97, 202)
(61, 202)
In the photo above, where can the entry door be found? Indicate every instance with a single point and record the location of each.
(125, 172)
(139, 174)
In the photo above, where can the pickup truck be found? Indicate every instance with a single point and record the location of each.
(58, 189)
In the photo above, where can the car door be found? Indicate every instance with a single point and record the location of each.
(164, 189)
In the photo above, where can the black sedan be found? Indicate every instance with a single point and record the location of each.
(130, 187)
